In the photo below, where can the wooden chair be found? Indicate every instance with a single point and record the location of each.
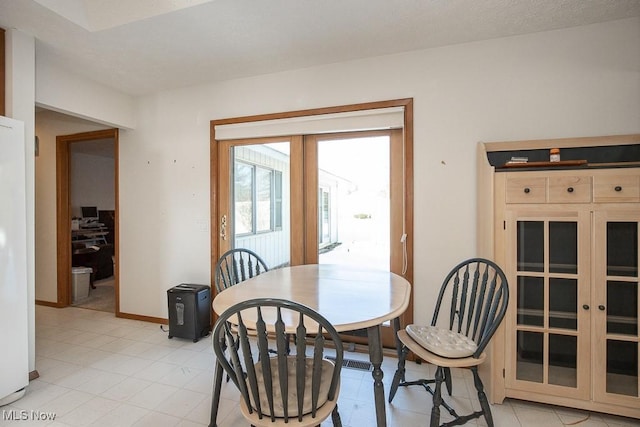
(237, 265)
(471, 304)
(285, 389)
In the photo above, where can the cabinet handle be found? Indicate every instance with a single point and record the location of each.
(601, 307)
(618, 188)
(570, 189)
(586, 307)
(527, 190)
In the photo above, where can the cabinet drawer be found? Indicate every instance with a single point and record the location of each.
(570, 189)
(526, 190)
(616, 188)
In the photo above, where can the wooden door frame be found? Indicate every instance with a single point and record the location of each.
(63, 212)
(406, 104)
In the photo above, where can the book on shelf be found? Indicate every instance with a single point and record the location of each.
(515, 159)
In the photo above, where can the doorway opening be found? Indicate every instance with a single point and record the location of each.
(87, 220)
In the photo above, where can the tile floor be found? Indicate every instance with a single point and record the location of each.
(99, 370)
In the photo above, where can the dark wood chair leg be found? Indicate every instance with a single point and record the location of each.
(482, 397)
(437, 398)
(447, 380)
(399, 376)
(401, 351)
(335, 417)
(396, 327)
(215, 398)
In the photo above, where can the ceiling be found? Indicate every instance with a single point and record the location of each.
(145, 46)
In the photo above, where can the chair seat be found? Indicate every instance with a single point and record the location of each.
(443, 342)
(307, 421)
(429, 357)
(325, 382)
(325, 407)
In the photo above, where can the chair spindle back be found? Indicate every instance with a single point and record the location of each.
(477, 292)
(237, 265)
(258, 373)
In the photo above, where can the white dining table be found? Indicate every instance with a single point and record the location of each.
(349, 297)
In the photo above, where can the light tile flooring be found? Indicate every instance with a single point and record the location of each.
(99, 370)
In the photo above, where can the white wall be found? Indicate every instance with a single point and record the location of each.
(64, 91)
(92, 182)
(48, 125)
(583, 81)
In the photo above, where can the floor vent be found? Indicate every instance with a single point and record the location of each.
(354, 364)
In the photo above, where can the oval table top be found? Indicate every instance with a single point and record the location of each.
(349, 297)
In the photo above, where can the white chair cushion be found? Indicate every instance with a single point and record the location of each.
(442, 342)
(327, 370)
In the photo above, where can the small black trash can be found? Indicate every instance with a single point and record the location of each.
(189, 311)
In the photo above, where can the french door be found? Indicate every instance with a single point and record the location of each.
(330, 198)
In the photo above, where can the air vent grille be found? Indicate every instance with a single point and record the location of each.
(354, 364)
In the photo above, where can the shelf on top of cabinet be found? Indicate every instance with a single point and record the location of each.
(611, 156)
(561, 163)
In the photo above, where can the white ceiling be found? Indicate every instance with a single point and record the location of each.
(144, 46)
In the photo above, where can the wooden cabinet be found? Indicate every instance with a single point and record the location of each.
(569, 189)
(568, 241)
(615, 187)
(615, 308)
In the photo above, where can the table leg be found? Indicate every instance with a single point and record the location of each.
(375, 356)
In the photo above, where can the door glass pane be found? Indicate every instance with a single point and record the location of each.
(261, 200)
(563, 247)
(622, 367)
(354, 202)
(530, 356)
(277, 200)
(563, 303)
(531, 246)
(563, 350)
(324, 216)
(264, 199)
(622, 249)
(243, 198)
(622, 308)
(530, 301)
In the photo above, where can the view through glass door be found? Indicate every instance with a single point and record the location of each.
(354, 201)
(255, 202)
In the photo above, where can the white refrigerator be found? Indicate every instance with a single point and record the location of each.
(14, 360)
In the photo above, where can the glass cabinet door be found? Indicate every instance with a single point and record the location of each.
(616, 307)
(549, 302)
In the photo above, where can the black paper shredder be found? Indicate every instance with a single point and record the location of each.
(189, 311)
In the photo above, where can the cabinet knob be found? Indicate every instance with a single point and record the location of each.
(570, 189)
(586, 307)
(601, 307)
(618, 188)
(527, 190)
